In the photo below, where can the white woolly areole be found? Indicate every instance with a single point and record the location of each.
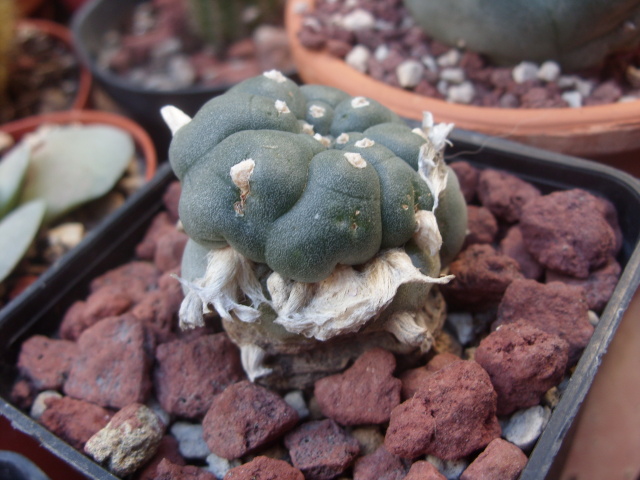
(365, 143)
(281, 106)
(411, 329)
(241, 174)
(342, 138)
(347, 299)
(252, 358)
(355, 159)
(174, 118)
(360, 102)
(308, 129)
(275, 75)
(317, 111)
(427, 235)
(323, 140)
(229, 277)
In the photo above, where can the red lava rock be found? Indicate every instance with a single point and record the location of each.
(167, 470)
(364, 394)
(75, 421)
(481, 277)
(264, 468)
(245, 417)
(482, 225)
(189, 373)
(610, 214)
(169, 248)
(606, 92)
(413, 379)
(513, 246)
(380, 465)
(114, 364)
(501, 459)
(158, 312)
(599, 285)
(555, 308)
(423, 470)
(451, 416)
(134, 277)
(106, 302)
(505, 194)
(523, 362)
(46, 362)
(321, 449)
(171, 200)
(468, 176)
(22, 394)
(567, 232)
(161, 224)
(168, 449)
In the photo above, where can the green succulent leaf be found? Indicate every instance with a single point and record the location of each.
(12, 171)
(17, 232)
(72, 165)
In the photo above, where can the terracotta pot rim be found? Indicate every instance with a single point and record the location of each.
(319, 66)
(63, 34)
(18, 128)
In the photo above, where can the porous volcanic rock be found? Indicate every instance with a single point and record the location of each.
(513, 246)
(501, 459)
(555, 308)
(505, 194)
(365, 393)
(566, 231)
(168, 449)
(423, 470)
(468, 176)
(167, 470)
(46, 361)
(381, 465)
(245, 417)
(414, 378)
(452, 415)
(482, 225)
(523, 362)
(264, 468)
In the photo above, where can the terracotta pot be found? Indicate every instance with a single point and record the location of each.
(588, 131)
(143, 141)
(63, 34)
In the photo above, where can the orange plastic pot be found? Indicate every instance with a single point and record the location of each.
(143, 141)
(592, 131)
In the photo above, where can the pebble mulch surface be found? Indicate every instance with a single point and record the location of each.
(379, 38)
(122, 384)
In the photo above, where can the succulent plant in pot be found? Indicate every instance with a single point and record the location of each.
(317, 220)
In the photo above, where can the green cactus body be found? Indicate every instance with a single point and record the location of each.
(251, 180)
(578, 33)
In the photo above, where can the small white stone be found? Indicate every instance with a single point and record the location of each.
(381, 53)
(549, 71)
(181, 71)
(573, 98)
(219, 466)
(451, 469)
(573, 82)
(524, 71)
(358, 58)
(453, 75)
(450, 58)
(525, 426)
(594, 319)
(295, 399)
(409, 73)
(190, 441)
(163, 415)
(462, 323)
(66, 235)
(359, 19)
(462, 93)
(430, 62)
(443, 87)
(39, 404)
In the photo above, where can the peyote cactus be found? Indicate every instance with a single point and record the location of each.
(312, 215)
(577, 34)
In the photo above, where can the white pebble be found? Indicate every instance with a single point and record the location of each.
(462, 323)
(430, 63)
(162, 414)
(219, 466)
(450, 58)
(381, 53)
(453, 75)
(190, 441)
(525, 426)
(358, 19)
(462, 93)
(549, 71)
(628, 98)
(66, 235)
(594, 319)
(409, 73)
(295, 399)
(573, 98)
(443, 87)
(358, 58)
(573, 82)
(39, 404)
(524, 72)
(451, 469)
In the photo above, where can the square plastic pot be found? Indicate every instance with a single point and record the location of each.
(114, 242)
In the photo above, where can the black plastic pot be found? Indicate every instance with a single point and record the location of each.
(41, 312)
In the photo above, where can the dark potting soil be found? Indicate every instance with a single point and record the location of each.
(121, 346)
(382, 40)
